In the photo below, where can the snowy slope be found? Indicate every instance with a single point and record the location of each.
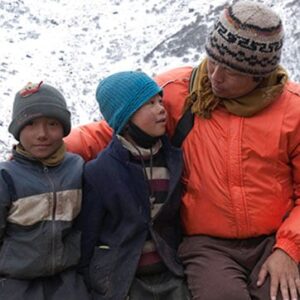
(72, 44)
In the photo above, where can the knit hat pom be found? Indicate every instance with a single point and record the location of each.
(38, 100)
(121, 94)
(247, 38)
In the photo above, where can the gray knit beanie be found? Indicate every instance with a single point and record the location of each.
(247, 38)
(38, 100)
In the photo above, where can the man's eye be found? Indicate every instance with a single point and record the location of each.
(231, 73)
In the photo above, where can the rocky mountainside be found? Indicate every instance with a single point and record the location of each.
(73, 44)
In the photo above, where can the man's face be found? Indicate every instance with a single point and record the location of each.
(229, 84)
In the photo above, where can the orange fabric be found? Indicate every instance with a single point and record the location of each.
(242, 175)
(240, 172)
(88, 140)
(174, 100)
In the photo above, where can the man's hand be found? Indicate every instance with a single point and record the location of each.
(284, 275)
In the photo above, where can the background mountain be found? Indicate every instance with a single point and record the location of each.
(73, 44)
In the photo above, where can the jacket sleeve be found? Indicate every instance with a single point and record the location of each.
(89, 220)
(175, 84)
(288, 234)
(88, 140)
(5, 201)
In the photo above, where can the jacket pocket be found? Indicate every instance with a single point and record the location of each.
(71, 248)
(100, 269)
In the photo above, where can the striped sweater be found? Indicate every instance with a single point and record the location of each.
(157, 176)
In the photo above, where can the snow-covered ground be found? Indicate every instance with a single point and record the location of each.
(73, 44)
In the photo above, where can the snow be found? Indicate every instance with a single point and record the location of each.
(73, 44)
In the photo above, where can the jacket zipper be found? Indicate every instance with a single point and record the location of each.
(46, 171)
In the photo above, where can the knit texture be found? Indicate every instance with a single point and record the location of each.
(247, 38)
(121, 94)
(38, 100)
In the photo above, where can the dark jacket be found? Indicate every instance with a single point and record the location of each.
(116, 219)
(37, 207)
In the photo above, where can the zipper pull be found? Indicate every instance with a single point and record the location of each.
(151, 199)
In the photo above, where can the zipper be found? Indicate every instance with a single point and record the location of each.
(53, 225)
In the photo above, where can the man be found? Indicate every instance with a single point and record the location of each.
(240, 211)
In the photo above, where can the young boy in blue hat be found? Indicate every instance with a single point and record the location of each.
(130, 216)
(40, 196)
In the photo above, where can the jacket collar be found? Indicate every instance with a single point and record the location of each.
(173, 157)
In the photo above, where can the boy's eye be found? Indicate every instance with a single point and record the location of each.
(30, 123)
(151, 102)
(53, 123)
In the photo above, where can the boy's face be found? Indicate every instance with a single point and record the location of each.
(42, 137)
(151, 117)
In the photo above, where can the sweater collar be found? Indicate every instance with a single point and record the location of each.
(136, 150)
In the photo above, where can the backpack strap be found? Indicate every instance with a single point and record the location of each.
(186, 122)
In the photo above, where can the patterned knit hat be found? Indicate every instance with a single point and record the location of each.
(121, 94)
(38, 100)
(247, 38)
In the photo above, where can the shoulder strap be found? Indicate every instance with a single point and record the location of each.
(186, 122)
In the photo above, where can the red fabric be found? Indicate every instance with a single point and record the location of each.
(149, 259)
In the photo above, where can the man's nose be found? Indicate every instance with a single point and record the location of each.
(218, 74)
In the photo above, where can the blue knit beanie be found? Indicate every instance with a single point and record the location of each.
(121, 94)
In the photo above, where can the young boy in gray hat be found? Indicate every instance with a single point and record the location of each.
(130, 216)
(40, 196)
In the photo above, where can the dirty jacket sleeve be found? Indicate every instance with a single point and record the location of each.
(4, 204)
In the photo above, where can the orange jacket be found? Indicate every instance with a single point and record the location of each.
(242, 175)
(88, 140)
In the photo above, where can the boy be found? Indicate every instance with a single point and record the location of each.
(40, 196)
(130, 216)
